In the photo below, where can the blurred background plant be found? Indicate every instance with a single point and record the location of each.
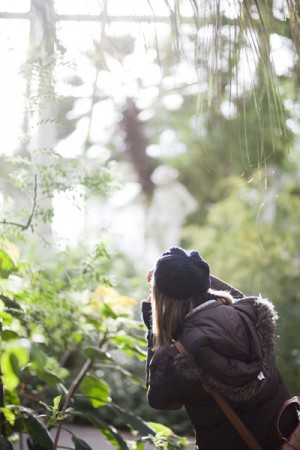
(128, 128)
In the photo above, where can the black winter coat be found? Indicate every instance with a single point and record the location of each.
(231, 348)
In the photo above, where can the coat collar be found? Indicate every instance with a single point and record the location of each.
(200, 307)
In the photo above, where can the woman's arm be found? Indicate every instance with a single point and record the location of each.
(220, 285)
(161, 379)
(164, 385)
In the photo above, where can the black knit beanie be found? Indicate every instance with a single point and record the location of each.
(180, 274)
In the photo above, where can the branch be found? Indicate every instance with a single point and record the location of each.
(28, 223)
(70, 393)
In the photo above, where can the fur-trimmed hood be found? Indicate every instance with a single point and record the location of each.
(230, 347)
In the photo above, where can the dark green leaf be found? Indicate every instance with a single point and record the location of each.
(37, 356)
(134, 421)
(109, 432)
(5, 444)
(49, 377)
(14, 362)
(9, 303)
(7, 335)
(96, 353)
(37, 447)
(11, 397)
(107, 312)
(36, 428)
(80, 444)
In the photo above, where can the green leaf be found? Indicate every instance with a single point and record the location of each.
(134, 421)
(92, 386)
(49, 377)
(36, 428)
(7, 264)
(160, 428)
(5, 444)
(9, 415)
(139, 445)
(109, 432)
(12, 360)
(37, 356)
(96, 353)
(78, 336)
(11, 397)
(108, 312)
(80, 444)
(56, 402)
(123, 340)
(8, 335)
(130, 346)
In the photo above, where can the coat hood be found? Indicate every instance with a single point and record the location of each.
(230, 348)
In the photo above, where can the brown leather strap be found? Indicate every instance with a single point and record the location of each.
(235, 420)
(228, 411)
(291, 401)
(180, 347)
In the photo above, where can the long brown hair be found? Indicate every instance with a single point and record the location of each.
(169, 314)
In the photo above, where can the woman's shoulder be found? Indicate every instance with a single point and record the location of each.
(227, 323)
(263, 307)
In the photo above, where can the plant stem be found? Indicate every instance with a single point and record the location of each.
(21, 441)
(30, 218)
(2, 417)
(69, 395)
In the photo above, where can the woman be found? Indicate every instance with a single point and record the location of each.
(229, 343)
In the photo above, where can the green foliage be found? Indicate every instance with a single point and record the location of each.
(97, 390)
(166, 439)
(36, 429)
(80, 444)
(55, 413)
(44, 325)
(62, 325)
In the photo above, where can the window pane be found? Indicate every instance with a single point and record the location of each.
(13, 50)
(14, 5)
(78, 6)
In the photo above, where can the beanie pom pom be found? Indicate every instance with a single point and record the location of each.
(198, 261)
